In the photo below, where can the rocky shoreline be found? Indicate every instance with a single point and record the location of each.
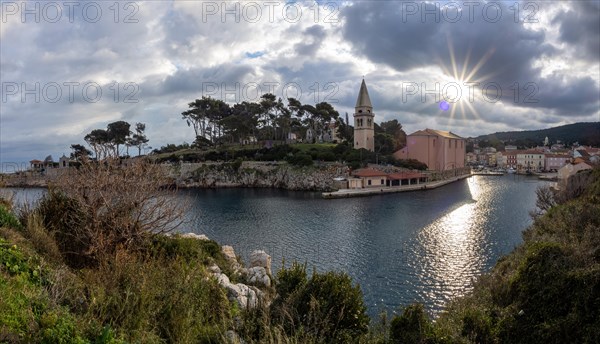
(254, 174)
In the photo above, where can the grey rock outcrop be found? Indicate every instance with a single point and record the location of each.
(260, 258)
(247, 297)
(229, 254)
(258, 174)
(258, 276)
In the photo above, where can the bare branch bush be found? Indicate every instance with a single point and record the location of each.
(102, 206)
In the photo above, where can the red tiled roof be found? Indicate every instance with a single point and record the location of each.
(368, 172)
(531, 151)
(405, 175)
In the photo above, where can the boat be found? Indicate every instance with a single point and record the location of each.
(511, 170)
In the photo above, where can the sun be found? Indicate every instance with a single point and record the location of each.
(461, 90)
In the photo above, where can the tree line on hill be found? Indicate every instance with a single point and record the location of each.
(219, 126)
(107, 143)
(586, 133)
(216, 122)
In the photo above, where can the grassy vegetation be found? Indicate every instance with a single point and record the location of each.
(159, 290)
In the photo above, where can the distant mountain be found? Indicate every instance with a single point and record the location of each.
(586, 133)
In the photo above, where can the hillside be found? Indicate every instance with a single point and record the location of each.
(586, 133)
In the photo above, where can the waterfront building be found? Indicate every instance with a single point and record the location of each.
(471, 158)
(439, 150)
(509, 159)
(491, 159)
(530, 160)
(556, 161)
(364, 127)
(372, 178)
(369, 178)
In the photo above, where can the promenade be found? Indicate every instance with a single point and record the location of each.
(346, 193)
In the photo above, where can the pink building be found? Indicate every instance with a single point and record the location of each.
(556, 161)
(439, 150)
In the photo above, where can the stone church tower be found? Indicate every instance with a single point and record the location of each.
(364, 132)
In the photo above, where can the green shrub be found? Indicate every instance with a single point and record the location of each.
(15, 262)
(8, 219)
(300, 159)
(478, 327)
(412, 326)
(290, 280)
(326, 307)
(64, 217)
(188, 249)
(26, 312)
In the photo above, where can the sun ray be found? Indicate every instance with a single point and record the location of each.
(475, 113)
(452, 58)
(462, 111)
(480, 63)
(466, 64)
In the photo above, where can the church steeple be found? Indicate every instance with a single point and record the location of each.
(364, 128)
(363, 96)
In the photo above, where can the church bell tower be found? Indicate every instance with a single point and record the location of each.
(364, 132)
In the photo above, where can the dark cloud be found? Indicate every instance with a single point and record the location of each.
(505, 51)
(312, 40)
(580, 28)
(192, 81)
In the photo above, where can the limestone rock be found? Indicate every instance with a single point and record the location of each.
(262, 259)
(247, 297)
(214, 269)
(229, 254)
(195, 236)
(258, 276)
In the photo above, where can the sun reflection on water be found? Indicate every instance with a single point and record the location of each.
(453, 251)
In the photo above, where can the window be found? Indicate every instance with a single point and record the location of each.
(359, 111)
(369, 182)
(382, 182)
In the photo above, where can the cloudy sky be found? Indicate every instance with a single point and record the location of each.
(70, 67)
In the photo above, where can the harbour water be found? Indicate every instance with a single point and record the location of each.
(425, 246)
(401, 248)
